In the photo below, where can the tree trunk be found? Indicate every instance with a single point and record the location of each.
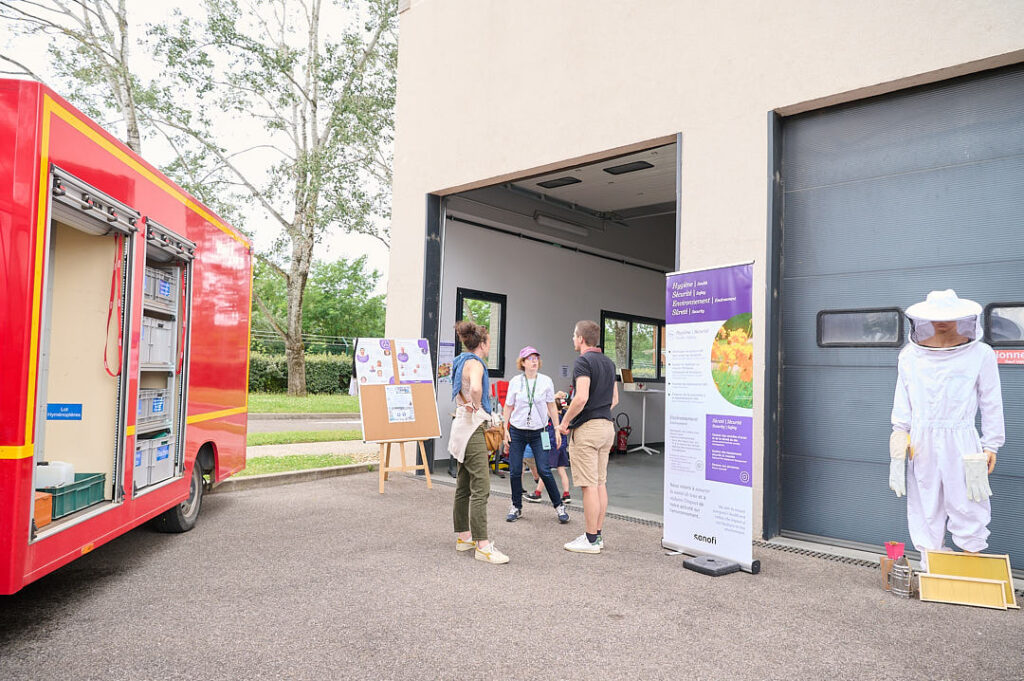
(295, 350)
(295, 353)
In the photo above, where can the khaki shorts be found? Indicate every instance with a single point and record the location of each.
(588, 452)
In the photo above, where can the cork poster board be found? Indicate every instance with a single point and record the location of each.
(396, 389)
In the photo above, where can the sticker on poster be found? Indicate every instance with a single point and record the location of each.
(1010, 357)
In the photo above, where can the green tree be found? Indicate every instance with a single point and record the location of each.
(339, 299)
(326, 107)
(88, 42)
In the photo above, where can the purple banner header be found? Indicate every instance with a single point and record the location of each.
(709, 295)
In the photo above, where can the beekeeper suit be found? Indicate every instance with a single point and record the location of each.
(945, 375)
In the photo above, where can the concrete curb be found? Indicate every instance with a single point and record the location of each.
(296, 417)
(290, 477)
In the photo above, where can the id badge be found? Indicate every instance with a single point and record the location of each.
(545, 441)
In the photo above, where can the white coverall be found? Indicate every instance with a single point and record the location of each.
(938, 394)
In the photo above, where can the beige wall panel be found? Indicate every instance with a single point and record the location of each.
(490, 88)
(81, 270)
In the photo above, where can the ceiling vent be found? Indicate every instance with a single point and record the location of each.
(559, 182)
(628, 168)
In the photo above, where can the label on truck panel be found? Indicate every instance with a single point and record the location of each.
(165, 289)
(163, 452)
(158, 405)
(63, 412)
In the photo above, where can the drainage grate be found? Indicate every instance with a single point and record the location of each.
(845, 560)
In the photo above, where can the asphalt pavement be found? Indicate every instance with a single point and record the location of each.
(331, 580)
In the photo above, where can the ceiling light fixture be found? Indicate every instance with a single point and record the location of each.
(561, 225)
(628, 168)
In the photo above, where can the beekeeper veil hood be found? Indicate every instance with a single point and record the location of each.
(944, 306)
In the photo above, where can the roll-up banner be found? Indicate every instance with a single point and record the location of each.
(709, 400)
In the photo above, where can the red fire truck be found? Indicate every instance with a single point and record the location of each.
(124, 340)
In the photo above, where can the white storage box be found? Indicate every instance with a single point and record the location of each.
(157, 343)
(140, 469)
(160, 288)
(161, 452)
(154, 406)
(54, 474)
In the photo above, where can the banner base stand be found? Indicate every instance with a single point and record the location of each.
(711, 566)
(753, 567)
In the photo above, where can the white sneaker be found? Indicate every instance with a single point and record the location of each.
(464, 545)
(583, 545)
(491, 554)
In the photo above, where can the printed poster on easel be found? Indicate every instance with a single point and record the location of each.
(373, 362)
(709, 422)
(397, 402)
(414, 361)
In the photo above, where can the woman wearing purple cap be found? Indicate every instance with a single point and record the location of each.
(528, 406)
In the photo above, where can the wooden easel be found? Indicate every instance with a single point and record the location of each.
(385, 461)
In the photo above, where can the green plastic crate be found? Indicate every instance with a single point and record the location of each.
(86, 490)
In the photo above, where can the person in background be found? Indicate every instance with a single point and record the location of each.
(589, 417)
(945, 376)
(558, 461)
(471, 393)
(529, 405)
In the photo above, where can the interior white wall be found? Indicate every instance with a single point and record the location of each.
(549, 289)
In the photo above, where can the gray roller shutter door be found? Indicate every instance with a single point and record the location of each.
(885, 200)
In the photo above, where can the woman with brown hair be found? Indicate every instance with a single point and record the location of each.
(471, 392)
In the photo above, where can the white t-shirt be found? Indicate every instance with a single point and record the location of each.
(518, 397)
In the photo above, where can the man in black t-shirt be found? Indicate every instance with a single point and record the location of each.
(589, 417)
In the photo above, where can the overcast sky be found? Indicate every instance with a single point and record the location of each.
(241, 131)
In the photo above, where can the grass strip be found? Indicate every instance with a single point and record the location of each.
(261, 465)
(290, 437)
(279, 403)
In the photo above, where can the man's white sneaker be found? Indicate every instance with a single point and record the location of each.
(491, 554)
(464, 545)
(583, 545)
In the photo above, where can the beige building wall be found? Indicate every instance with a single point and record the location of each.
(491, 89)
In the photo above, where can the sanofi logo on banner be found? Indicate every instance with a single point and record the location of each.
(63, 412)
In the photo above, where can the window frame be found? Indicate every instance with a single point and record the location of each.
(659, 326)
(461, 295)
(986, 326)
(900, 335)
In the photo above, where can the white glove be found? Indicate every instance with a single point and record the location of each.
(976, 474)
(898, 443)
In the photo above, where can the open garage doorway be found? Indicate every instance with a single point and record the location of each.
(530, 256)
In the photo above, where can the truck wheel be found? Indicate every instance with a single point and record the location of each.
(182, 517)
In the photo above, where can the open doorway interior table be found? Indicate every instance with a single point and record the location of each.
(643, 419)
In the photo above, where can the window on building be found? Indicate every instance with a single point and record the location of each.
(487, 310)
(634, 343)
(1004, 324)
(869, 328)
